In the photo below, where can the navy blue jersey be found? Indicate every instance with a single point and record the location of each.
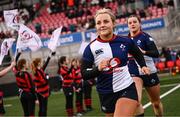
(117, 78)
(143, 40)
(146, 42)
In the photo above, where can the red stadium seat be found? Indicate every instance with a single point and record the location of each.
(170, 64)
(178, 66)
(165, 10)
(153, 17)
(159, 16)
(123, 20)
(160, 12)
(117, 21)
(155, 7)
(178, 62)
(161, 66)
(148, 18)
(154, 14)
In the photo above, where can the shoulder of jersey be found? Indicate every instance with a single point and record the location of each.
(92, 41)
(126, 38)
(147, 35)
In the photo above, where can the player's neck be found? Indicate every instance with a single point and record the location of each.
(134, 33)
(107, 37)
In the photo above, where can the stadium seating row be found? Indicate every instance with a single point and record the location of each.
(52, 21)
(172, 66)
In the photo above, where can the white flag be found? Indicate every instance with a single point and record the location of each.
(28, 39)
(82, 47)
(53, 42)
(93, 36)
(11, 18)
(5, 46)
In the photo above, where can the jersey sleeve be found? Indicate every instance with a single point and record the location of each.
(87, 69)
(87, 55)
(152, 50)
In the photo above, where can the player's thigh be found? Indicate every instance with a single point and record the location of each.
(139, 85)
(125, 107)
(154, 92)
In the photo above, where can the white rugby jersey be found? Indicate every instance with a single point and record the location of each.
(117, 78)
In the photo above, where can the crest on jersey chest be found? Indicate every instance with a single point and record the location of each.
(122, 46)
(139, 42)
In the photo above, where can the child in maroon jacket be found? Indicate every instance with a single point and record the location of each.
(77, 85)
(41, 83)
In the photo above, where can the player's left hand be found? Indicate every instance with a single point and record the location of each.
(145, 70)
(143, 51)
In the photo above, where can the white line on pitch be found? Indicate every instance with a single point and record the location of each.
(163, 95)
(168, 85)
(8, 105)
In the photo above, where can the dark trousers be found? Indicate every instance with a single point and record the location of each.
(87, 90)
(28, 103)
(43, 102)
(79, 101)
(68, 92)
(2, 110)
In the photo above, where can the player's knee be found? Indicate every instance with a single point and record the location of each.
(156, 104)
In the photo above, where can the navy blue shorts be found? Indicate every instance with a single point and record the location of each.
(108, 101)
(133, 68)
(150, 80)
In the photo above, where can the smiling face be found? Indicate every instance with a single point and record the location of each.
(105, 22)
(134, 25)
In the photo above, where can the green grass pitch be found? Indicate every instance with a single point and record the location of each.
(56, 102)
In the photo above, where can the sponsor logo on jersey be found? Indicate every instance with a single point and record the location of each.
(99, 51)
(113, 66)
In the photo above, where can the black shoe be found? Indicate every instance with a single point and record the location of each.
(83, 111)
(89, 109)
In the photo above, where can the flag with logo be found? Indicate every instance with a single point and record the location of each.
(53, 42)
(5, 46)
(11, 18)
(28, 39)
